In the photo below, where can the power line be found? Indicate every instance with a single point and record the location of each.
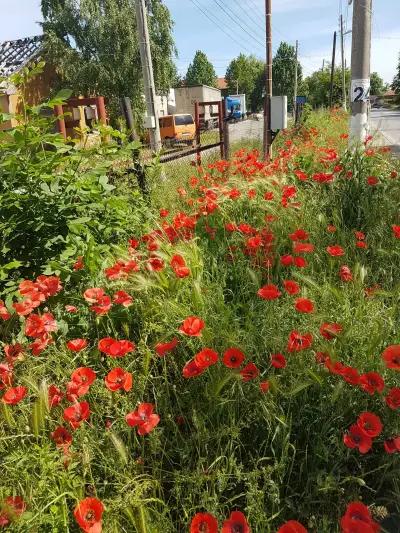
(218, 24)
(260, 43)
(250, 16)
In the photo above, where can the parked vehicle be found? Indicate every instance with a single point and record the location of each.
(236, 106)
(186, 97)
(177, 128)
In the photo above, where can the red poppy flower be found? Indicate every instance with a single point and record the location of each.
(144, 418)
(396, 231)
(49, 285)
(392, 445)
(76, 414)
(370, 424)
(13, 507)
(191, 370)
(62, 437)
(13, 352)
(155, 264)
(88, 514)
(331, 228)
(102, 306)
(14, 395)
(93, 295)
(54, 395)
(122, 298)
(292, 527)
(299, 235)
(298, 342)
(302, 176)
(372, 382)
(278, 360)
(164, 213)
(269, 292)
(6, 375)
(372, 180)
(300, 262)
(192, 326)
(27, 305)
(393, 398)
(287, 260)
(330, 330)
(358, 514)
(205, 358)
(350, 375)
(303, 247)
(236, 522)
(335, 251)
(391, 356)
(204, 523)
(115, 348)
(40, 344)
(71, 308)
(362, 244)
(179, 266)
(233, 358)
(360, 236)
(356, 438)
(36, 326)
(163, 348)
(304, 305)
(76, 345)
(345, 273)
(264, 386)
(249, 372)
(291, 287)
(78, 265)
(117, 379)
(83, 376)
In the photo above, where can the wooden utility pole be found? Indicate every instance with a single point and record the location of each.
(343, 65)
(295, 82)
(267, 141)
(148, 77)
(332, 70)
(360, 70)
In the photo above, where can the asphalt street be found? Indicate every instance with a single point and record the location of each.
(385, 126)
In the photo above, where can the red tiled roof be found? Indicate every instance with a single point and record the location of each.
(221, 83)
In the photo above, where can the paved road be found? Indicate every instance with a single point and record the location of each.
(386, 124)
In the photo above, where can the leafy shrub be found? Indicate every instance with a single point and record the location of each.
(56, 199)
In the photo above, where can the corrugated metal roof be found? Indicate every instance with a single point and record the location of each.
(16, 54)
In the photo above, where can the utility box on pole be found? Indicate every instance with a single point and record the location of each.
(278, 113)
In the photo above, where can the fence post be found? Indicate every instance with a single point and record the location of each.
(128, 115)
(197, 123)
(221, 127)
(227, 146)
(58, 110)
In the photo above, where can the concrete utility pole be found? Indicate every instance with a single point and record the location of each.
(332, 70)
(295, 81)
(267, 141)
(148, 77)
(360, 70)
(343, 65)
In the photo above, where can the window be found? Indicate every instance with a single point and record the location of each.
(183, 120)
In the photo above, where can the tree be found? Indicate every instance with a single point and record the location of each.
(284, 68)
(201, 71)
(242, 75)
(396, 80)
(94, 47)
(317, 87)
(378, 86)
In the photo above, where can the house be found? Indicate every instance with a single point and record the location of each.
(15, 55)
(223, 86)
(20, 53)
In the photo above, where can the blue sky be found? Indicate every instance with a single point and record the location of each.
(312, 22)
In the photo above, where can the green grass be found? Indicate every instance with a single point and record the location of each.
(274, 456)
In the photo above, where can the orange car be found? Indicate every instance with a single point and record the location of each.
(178, 128)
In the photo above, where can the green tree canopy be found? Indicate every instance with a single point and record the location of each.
(284, 68)
(94, 46)
(242, 75)
(396, 80)
(378, 86)
(317, 87)
(201, 71)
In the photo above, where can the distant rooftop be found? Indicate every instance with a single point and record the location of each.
(14, 55)
(221, 83)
